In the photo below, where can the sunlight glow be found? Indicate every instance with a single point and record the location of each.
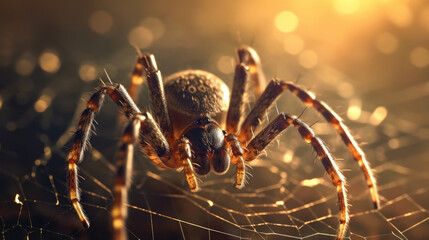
(346, 6)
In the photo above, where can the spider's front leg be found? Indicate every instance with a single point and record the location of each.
(235, 111)
(277, 126)
(81, 137)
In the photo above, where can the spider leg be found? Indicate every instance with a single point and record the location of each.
(123, 173)
(156, 148)
(278, 125)
(251, 58)
(80, 140)
(237, 159)
(159, 102)
(136, 79)
(310, 100)
(273, 90)
(235, 108)
(183, 152)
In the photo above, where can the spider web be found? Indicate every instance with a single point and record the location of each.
(288, 195)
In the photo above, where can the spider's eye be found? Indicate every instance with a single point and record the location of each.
(207, 120)
(199, 121)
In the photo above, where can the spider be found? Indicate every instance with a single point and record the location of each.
(191, 110)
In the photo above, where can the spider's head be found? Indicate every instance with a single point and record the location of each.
(208, 144)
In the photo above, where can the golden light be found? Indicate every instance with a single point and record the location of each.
(346, 6)
(280, 203)
(101, 22)
(88, 72)
(308, 59)
(17, 201)
(140, 37)
(393, 143)
(386, 42)
(355, 109)
(287, 158)
(293, 44)
(42, 103)
(310, 182)
(1, 101)
(210, 202)
(419, 57)
(25, 65)
(378, 116)
(225, 64)
(49, 61)
(286, 21)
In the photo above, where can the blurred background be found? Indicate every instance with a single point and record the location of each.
(368, 59)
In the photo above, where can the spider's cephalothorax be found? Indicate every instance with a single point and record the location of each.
(208, 144)
(198, 127)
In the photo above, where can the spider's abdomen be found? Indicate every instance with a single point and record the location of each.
(195, 93)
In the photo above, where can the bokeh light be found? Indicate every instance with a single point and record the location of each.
(49, 61)
(400, 14)
(140, 37)
(308, 59)
(419, 57)
(286, 21)
(225, 64)
(25, 64)
(101, 22)
(386, 42)
(346, 6)
(293, 44)
(88, 72)
(379, 114)
(155, 26)
(355, 109)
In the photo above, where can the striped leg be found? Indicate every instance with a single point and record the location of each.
(278, 125)
(136, 79)
(273, 90)
(237, 159)
(80, 141)
(123, 174)
(310, 100)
